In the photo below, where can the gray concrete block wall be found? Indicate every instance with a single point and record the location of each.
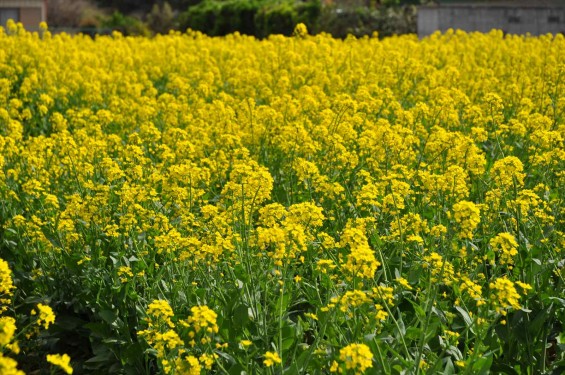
(512, 20)
(428, 21)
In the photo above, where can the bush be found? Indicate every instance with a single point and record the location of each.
(200, 17)
(215, 17)
(251, 17)
(340, 22)
(70, 13)
(161, 18)
(125, 24)
(282, 17)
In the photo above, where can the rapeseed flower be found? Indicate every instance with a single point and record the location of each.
(508, 172)
(203, 318)
(6, 285)
(468, 216)
(45, 315)
(505, 244)
(7, 330)
(160, 310)
(357, 357)
(503, 295)
(9, 366)
(188, 365)
(271, 359)
(256, 175)
(62, 361)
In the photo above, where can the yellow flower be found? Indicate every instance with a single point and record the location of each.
(473, 290)
(468, 216)
(525, 287)
(203, 318)
(188, 365)
(160, 310)
(62, 361)
(352, 300)
(438, 266)
(7, 330)
(506, 245)
(404, 283)
(46, 316)
(504, 295)
(6, 285)
(325, 265)
(207, 360)
(301, 30)
(311, 316)
(9, 366)
(508, 172)
(170, 339)
(361, 261)
(357, 357)
(271, 358)
(125, 273)
(334, 367)
(438, 230)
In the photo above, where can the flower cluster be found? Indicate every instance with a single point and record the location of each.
(175, 343)
(356, 357)
(6, 285)
(296, 203)
(468, 216)
(9, 334)
(61, 361)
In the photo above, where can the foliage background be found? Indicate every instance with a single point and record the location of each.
(219, 17)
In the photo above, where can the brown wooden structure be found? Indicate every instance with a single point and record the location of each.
(29, 12)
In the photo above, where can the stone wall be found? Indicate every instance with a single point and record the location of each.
(512, 20)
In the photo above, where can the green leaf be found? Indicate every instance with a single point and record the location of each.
(502, 368)
(466, 317)
(226, 356)
(288, 335)
(449, 368)
(133, 353)
(413, 333)
(240, 316)
(298, 366)
(536, 324)
(482, 365)
(237, 370)
(100, 330)
(282, 303)
(108, 316)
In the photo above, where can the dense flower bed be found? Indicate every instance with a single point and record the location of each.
(187, 204)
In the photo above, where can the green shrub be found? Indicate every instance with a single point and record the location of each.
(251, 17)
(200, 17)
(282, 16)
(125, 24)
(340, 22)
(160, 19)
(215, 17)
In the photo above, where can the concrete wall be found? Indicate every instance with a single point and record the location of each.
(30, 12)
(512, 20)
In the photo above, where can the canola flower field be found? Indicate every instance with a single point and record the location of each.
(295, 205)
